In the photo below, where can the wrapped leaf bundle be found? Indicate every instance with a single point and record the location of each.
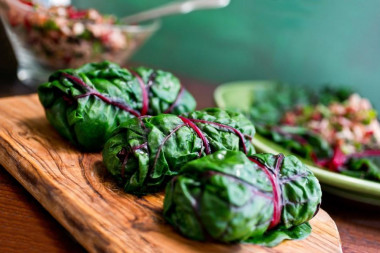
(145, 152)
(228, 197)
(86, 104)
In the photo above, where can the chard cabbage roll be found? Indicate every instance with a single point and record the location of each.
(87, 104)
(229, 197)
(145, 152)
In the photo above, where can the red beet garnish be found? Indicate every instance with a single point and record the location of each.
(26, 2)
(76, 14)
(338, 160)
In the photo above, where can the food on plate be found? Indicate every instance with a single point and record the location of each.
(335, 128)
(229, 197)
(86, 104)
(62, 36)
(145, 152)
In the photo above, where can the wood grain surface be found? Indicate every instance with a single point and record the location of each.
(76, 190)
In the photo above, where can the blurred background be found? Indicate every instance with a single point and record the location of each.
(301, 42)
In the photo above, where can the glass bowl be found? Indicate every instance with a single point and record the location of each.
(46, 41)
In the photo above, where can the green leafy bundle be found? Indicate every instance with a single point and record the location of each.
(86, 104)
(144, 153)
(228, 197)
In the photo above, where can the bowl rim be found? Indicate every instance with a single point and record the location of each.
(150, 26)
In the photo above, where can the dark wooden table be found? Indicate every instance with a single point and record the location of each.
(26, 227)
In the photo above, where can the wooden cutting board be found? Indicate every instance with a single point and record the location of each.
(75, 189)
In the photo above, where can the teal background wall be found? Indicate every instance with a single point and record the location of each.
(307, 42)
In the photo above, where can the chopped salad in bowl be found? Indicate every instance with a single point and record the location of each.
(66, 37)
(351, 124)
(337, 129)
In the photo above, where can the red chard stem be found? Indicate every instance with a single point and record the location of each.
(237, 132)
(277, 192)
(199, 133)
(145, 97)
(90, 91)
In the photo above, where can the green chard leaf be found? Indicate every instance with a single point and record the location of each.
(298, 140)
(144, 153)
(229, 197)
(86, 104)
(276, 236)
(270, 104)
(328, 95)
(364, 167)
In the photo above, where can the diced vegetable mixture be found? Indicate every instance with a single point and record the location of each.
(336, 128)
(63, 36)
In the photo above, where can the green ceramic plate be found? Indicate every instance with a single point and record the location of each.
(241, 94)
